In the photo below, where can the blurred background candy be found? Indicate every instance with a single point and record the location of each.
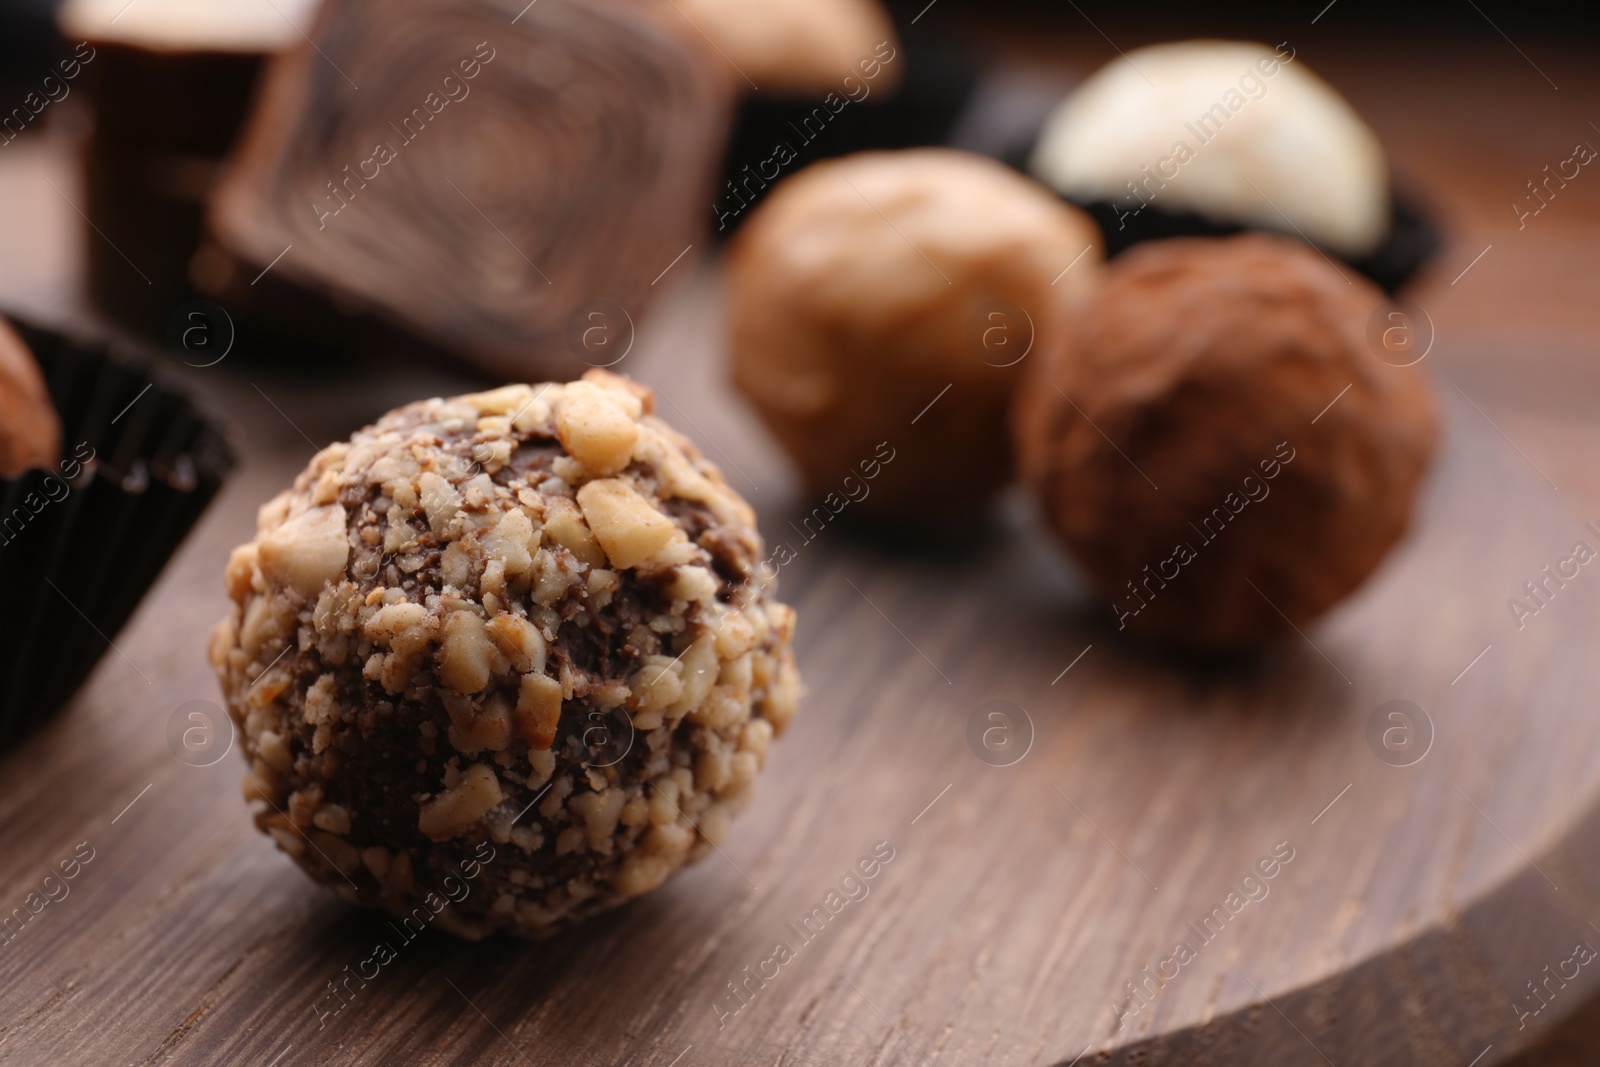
(170, 83)
(1216, 444)
(1211, 137)
(884, 305)
(117, 464)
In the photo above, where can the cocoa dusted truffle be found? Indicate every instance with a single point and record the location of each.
(30, 432)
(1217, 445)
(505, 658)
(891, 299)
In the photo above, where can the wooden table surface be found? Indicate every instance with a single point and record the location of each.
(1020, 899)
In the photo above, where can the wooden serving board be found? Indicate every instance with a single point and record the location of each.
(1407, 909)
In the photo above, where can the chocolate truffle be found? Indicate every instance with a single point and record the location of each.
(429, 211)
(169, 83)
(888, 301)
(30, 432)
(1216, 444)
(1235, 132)
(507, 652)
(796, 47)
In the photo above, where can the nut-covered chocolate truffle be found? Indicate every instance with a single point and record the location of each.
(892, 299)
(30, 432)
(504, 658)
(1236, 132)
(1216, 443)
(796, 47)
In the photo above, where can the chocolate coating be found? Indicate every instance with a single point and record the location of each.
(863, 299)
(30, 432)
(1198, 473)
(515, 642)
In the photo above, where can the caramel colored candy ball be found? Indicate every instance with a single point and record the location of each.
(1217, 444)
(798, 47)
(503, 661)
(886, 304)
(30, 432)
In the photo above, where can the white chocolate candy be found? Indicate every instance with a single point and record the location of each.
(1236, 132)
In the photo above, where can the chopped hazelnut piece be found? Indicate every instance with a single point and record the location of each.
(627, 526)
(564, 523)
(308, 551)
(595, 428)
(538, 710)
(464, 657)
(457, 809)
(520, 641)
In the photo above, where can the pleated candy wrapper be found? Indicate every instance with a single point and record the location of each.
(80, 544)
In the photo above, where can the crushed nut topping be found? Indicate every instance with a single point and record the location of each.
(531, 616)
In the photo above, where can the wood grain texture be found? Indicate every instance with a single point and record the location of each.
(1401, 933)
(1019, 899)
